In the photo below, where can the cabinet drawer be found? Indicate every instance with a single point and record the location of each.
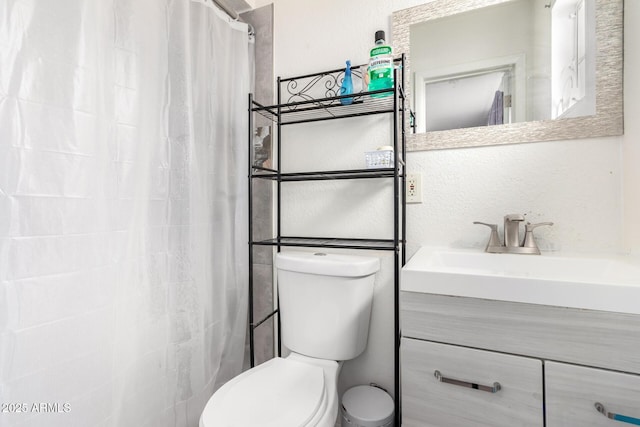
(584, 337)
(427, 401)
(573, 391)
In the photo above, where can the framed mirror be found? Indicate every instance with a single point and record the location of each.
(488, 72)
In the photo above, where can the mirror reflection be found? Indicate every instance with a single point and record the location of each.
(518, 61)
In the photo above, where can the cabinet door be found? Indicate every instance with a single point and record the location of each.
(585, 397)
(450, 386)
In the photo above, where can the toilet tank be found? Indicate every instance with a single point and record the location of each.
(325, 303)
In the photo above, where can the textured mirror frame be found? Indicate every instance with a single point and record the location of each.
(608, 120)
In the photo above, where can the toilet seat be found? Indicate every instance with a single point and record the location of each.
(278, 393)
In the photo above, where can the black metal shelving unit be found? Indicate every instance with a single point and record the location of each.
(298, 102)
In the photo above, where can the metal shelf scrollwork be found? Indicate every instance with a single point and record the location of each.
(316, 97)
(321, 87)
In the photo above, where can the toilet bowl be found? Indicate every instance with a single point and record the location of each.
(325, 308)
(282, 392)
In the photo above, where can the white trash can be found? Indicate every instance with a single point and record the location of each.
(367, 406)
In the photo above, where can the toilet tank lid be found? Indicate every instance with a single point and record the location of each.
(327, 264)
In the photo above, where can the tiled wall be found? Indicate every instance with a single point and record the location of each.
(262, 21)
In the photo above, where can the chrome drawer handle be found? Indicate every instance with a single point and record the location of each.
(491, 389)
(617, 417)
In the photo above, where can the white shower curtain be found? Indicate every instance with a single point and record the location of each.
(123, 237)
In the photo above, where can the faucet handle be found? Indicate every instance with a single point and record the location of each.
(529, 241)
(494, 239)
(530, 227)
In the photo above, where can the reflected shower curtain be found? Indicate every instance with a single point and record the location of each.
(123, 214)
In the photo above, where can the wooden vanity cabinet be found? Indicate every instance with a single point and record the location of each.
(446, 385)
(580, 358)
(588, 397)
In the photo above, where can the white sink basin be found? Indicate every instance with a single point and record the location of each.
(607, 284)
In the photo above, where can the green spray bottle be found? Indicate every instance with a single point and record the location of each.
(380, 66)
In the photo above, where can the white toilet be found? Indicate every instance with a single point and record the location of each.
(325, 307)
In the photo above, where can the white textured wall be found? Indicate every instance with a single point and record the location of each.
(577, 184)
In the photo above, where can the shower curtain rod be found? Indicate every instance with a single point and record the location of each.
(222, 4)
(227, 9)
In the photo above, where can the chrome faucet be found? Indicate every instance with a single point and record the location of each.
(511, 242)
(512, 230)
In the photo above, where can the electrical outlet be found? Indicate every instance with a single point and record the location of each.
(414, 188)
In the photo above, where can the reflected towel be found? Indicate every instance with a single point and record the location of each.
(496, 115)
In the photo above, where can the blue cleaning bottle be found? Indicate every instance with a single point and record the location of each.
(347, 85)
